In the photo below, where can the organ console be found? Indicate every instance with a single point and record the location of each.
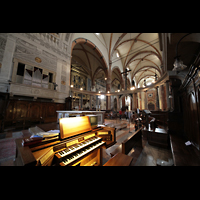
(77, 145)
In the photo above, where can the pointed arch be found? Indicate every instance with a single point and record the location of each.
(142, 52)
(121, 77)
(143, 78)
(99, 69)
(146, 67)
(141, 59)
(90, 44)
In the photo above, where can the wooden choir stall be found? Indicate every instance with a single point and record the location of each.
(77, 144)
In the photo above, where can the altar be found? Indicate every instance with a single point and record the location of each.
(71, 113)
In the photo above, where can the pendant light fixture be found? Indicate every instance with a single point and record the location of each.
(178, 63)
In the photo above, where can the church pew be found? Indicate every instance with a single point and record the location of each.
(135, 139)
(119, 159)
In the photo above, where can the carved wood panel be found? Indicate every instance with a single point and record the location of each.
(191, 113)
(35, 110)
(29, 109)
(21, 110)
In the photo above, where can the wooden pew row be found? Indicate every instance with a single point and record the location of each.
(133, 140)
(119, 159)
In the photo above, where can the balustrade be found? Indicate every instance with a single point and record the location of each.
(49, 38)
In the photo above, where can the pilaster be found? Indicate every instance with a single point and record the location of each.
(7, 63)
(157, 99)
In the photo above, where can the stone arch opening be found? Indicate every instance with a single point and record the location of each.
(90, 44)
(88, 59)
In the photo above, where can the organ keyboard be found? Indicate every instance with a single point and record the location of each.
(78, 145)
(78, 149)
(70, 158)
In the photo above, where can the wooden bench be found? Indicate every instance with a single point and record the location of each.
(125, 147)
(183, 155)
(119, 159)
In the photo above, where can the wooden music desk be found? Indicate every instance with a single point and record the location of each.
(119, 159)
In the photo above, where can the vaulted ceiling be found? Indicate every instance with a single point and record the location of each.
(138, 52)
(86, 60)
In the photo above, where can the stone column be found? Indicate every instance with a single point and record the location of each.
(134, 101)
(139, 96)
(118, 106)
(81, 101)
(72, 94)
(108, 88)
(90, 102)
(143, 99)
(108, 98)
(146, 101)
(97, 103)
(160, 94)
(157, 98)
(108, 102)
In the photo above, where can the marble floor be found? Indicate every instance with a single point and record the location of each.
(146, 156)
(151, 156)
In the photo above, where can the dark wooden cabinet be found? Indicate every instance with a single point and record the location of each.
(157, 137)
(68, 103)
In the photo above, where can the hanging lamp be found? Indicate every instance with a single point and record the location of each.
(178, 63)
